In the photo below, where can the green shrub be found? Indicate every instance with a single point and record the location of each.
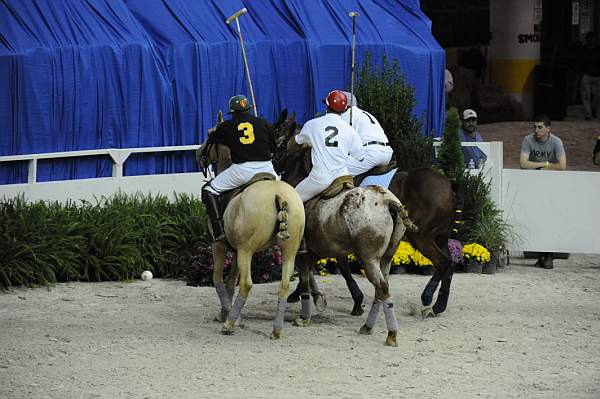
(450, 157)
(483, 222)
(383, 92)
(112, 239)
(47, 236)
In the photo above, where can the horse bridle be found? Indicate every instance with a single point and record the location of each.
(204, 161)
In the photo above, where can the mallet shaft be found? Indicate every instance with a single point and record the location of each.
(353, 15)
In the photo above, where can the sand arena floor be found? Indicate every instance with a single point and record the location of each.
(522, 333)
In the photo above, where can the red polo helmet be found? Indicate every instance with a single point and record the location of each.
(337, 101)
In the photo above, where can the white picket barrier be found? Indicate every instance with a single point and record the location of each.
(89, 189)
(550, 211)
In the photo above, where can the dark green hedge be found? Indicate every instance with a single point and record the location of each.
(111, 239)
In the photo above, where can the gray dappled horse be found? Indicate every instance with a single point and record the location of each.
(265, 213)
(430, 199)
(366, 221)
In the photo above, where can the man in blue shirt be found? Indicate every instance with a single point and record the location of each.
(469, 133)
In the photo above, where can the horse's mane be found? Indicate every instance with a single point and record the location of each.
(292, 164)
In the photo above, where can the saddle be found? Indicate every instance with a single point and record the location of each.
(227, 196)
(342, 183)
(376, 171)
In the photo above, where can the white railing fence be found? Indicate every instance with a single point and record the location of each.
(90, 189)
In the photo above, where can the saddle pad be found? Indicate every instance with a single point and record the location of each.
(379, 180)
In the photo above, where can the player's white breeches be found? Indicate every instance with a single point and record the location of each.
(317, 181)
(375, 155)
(238, 174)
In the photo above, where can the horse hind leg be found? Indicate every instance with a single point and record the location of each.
(382, 299)
(319, 299)
(244, 259)
(304, 286)
(289, 256)
(442, 299)
(232, 278)
(219, 252)
(357, 295)
(439, 258)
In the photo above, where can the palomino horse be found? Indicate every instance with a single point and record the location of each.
(366, 221)
(430, 198)
(265, 213)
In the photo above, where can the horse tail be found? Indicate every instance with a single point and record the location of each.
(399, 211)
(282, 219)
(401, 219)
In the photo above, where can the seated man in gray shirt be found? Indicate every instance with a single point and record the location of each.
(543, 150)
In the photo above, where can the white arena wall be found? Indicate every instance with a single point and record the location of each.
(550, 211)
(91, 189)
(553, 211)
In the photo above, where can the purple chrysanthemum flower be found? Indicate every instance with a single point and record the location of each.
(455, 247)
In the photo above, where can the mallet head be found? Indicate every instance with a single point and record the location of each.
(236, 15)
(353, 14)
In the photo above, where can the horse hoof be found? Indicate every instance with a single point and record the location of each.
(221, 317)
(276, 334)
(426, 300)
(427, 312)
(228, 327)
(364, 330)
(300, 322)
(357, 311)
(391, 339)
(320, 302)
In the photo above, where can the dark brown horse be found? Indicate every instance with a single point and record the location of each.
(431, 200)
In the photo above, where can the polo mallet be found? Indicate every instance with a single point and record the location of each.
(353, 15)
(236, 17)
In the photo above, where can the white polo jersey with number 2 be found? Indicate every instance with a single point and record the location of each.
(332, 141)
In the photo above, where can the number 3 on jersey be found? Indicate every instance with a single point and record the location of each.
(248, 130)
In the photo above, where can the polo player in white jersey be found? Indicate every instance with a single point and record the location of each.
(332, 140)
(376, 144)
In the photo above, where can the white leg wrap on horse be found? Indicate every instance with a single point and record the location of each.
(237, 308)
(305, 312)
(373, 313)
(390, 315)
(278, 322)
(223, 295)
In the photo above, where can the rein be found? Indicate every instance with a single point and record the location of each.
(205, 160)
(285, 160)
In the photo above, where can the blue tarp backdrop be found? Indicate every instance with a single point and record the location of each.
(86, 74)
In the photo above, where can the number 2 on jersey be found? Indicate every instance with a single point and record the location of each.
(328, 140)
(248, 131)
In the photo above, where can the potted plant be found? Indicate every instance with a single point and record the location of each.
(475, 257)
(411, 260)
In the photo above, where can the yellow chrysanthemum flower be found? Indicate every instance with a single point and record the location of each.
(477, 252)
(406, 254)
